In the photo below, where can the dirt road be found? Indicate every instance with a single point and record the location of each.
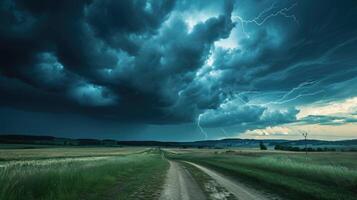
(237, 189)
(180, 185)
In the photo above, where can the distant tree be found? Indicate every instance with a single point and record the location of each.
(262, 146)
(295, 149)
(278, 147)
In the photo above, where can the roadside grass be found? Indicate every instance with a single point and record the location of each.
(290, 175)
(132, 176)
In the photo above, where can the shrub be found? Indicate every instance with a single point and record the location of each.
(262, 146)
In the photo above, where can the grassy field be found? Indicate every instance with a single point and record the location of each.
(139, 173)
(324, 175)
(81, 173)
(10, 154)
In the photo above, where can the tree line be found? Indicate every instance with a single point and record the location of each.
(309, 149)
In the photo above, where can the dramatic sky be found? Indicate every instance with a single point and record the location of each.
(179, 70)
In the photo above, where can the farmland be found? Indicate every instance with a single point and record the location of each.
(81, 173)
(174, 173)
(323, 175)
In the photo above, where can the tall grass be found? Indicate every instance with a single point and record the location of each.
(333, 174)
(294, 177)
(77, 178)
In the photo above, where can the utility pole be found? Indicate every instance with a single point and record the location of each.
(304, 134)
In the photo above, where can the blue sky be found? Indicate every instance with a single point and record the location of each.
(179, 70)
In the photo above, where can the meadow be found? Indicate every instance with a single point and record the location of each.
(23, 152)
(81, 173)
(139, 172)
(291, 175)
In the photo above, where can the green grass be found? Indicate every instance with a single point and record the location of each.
(292, 175)
(124, 176)
(64, 152)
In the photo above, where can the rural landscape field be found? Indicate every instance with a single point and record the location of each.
(178, 100)
(81, 173)
(174, 173)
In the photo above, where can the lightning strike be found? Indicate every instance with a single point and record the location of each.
(200, 127)
(300, 86)
(224, 132)
(259, 20)
(284, 99)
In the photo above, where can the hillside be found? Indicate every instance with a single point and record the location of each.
(224, 143)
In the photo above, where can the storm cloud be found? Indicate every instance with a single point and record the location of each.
(199, 65)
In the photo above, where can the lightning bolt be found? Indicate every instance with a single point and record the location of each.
(284, 99)
(300, 86)
(299, 96)
(300, 91)
(200, 127)
(259, 20)
(224, 132)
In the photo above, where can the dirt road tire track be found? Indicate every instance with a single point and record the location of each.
(238, 190)
(180, 185)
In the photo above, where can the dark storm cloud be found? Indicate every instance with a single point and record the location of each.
(165, 62)
(301, 61)
(236, 113)
(66, 46)
(123, 24)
